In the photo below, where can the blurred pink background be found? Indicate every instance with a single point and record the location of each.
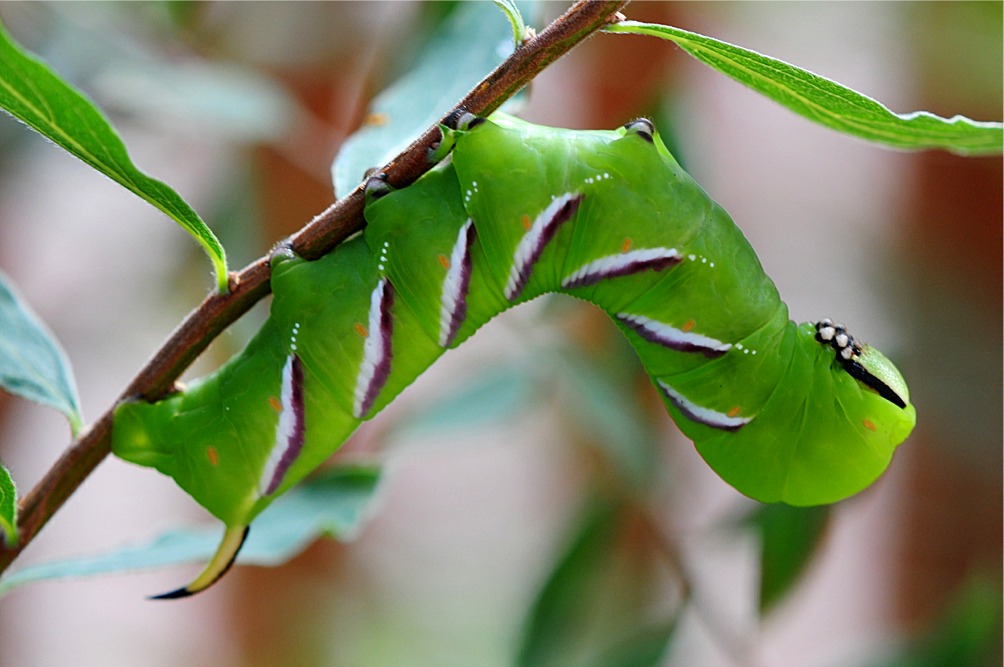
(905, 246)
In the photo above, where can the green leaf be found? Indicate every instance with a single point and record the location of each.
(39, 98)
(789, 537)
(32, 364)
(827, 102)
(467, 46)
(515, 19)
(8, 508)
(610, 416)
(644, 648)
(490, 396)
(604, 602)
(334, 503)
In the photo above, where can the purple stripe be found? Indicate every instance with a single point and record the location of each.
(547, 233)
(459, 314)
(655, 264)
(382, 370)
(295, 441)
(731, 426)
(653, 336)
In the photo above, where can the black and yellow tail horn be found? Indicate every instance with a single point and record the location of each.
(226, 554)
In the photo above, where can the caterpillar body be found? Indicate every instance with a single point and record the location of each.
(801, 414)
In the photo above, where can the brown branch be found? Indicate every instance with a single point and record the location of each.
(318, 237)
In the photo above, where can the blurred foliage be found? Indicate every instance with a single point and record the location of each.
(38, 97)
(333, 503)
(470, 42)
(33, 364)
(610, 597)
(828, 102)
(602, 604)
(8, 508)
(969, 634)
(789, 538)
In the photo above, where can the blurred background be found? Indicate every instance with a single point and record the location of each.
(531, 510)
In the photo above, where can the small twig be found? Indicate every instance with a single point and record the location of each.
(318, 237)
(740, 649)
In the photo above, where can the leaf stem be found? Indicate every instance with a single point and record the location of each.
(317, 238)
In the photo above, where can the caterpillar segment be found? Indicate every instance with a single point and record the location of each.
(802, 414)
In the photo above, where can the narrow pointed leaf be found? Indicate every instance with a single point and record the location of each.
(32, 364)
(604, 602)
(827, 102)
(39, 98)
(611, 417)
(334, 504)
(492, 396)
(468, 45)
(8, 509)
(789, 538)
(515, 19)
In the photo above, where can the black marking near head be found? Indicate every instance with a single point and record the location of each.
(849, 355)
(643, 127)
(858, 372)
(837, 337)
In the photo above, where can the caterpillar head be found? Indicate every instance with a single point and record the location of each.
(864, 363)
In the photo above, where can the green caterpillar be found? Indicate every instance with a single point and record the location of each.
(801, 414)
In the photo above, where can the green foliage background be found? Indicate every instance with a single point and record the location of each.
(536, 507)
